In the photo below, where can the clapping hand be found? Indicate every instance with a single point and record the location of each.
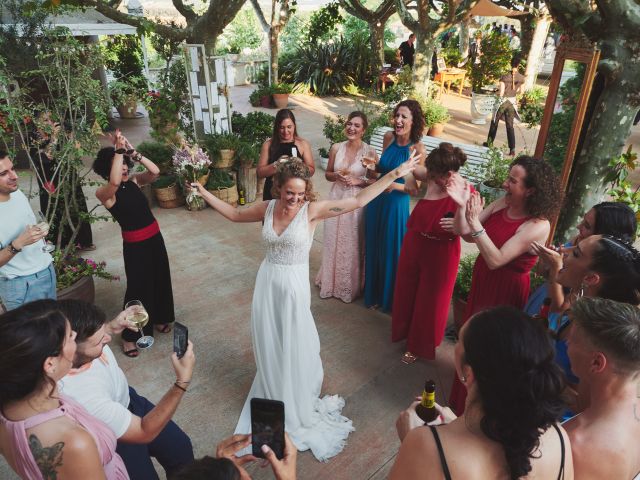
(475, 205)
(550, 257)
(458, 189)
(408, 166)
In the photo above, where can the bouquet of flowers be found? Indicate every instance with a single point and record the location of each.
(191, 164)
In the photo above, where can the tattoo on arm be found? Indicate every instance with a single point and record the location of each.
(48, 459)
(336, 209)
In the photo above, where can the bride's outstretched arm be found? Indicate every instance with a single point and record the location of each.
(254, 213)
(331, 208)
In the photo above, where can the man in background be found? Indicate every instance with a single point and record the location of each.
(408, 50)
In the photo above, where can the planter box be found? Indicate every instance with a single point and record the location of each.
(226, 159)
(84, 289)
(169, 197)
(229, 195)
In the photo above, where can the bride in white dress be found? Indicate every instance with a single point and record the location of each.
(286, 345)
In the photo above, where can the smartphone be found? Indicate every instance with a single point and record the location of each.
(180, 338)
(449, 215)
(267, 426)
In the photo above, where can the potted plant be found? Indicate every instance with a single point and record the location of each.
(191, 164)
(531, 106)
(461, 288)
(254, 127)
(280, 93)
(167, 193)
(324, 157)
(164, 116)
(126, 94)
(74, 275)
(222, 184)
(261, 97)
(222, 147)
(246, 162)
(493, 63)
(159, 153)
(435, 116)
(495, 173)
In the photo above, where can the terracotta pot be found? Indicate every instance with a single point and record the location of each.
(265, 102)
(226, 158)
(84, 289)
(281, 100)
(436, 130)
(128, 109)
(459, 309)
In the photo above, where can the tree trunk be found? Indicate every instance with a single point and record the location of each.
(608, 131)
(527, 29)
(463, 39)
(377, 41)
(422, 63)
(536, 50)
(274, 34)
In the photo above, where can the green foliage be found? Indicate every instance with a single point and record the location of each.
(323, 152)
(247, 154)
(123, 56)
(159, 153)
(281, 88)
(294, 34)
(333, 129)
(494, 62)
(620, 188)
(70, 268)
(166, 48)
(164, 181)
(121, 91)
(219, 179)
(531, 106)
(243, 32)
(214, 142)
(434, 112)
(362, 64)
(555, 148)
(324, 69)
(255, 127)
(451, 53)
(462, 287)
(497, 167)
(324, 22)
(257, 94)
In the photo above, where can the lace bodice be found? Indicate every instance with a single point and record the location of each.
(292, 246)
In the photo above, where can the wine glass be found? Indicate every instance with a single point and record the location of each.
(139, 317)
(368, 161)
(43, 226)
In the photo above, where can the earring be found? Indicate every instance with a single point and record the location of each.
(463, 379)
(583, 287)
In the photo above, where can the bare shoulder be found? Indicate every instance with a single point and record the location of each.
(388, 136)
(417, 454)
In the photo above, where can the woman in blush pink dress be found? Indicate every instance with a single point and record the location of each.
(341, 273)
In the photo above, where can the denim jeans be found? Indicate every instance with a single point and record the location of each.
(37, 286)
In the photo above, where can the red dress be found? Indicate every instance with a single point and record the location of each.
(426, 275)
(507, 285)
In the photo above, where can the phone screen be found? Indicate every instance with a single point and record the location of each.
(267, 426)
(180, 338)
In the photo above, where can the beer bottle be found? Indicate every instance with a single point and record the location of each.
(426, 409)
(241, 200)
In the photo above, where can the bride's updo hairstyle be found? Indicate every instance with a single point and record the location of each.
(288, 168)
(519, 385)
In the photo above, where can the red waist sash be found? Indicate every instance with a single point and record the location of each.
(133, 236)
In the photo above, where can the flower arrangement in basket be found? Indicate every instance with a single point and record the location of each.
(71, 267)
(191, 164)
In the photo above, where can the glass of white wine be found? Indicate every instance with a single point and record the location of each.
(139, 317)
(43, 226)
(369, 161)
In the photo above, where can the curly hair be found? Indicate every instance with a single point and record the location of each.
(547, 197)
(519, 384)
(443, 159)
(293, 167)
(417, 118)
(102, 163)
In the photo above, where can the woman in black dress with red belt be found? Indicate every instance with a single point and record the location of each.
(145, 257)
(284, 142)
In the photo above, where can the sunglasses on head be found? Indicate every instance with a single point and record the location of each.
(124, 151)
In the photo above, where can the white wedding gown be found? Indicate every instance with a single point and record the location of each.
(286, 345)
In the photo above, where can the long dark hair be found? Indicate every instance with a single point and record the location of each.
(547, 197)
(518, 381)
(29, 335)
(281, 116)
(617, 219)
(417, 118)
(618, 264)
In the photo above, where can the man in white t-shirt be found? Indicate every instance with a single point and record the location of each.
(144, 430)
(26, 271)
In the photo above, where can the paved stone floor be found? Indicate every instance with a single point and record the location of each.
(213, 265)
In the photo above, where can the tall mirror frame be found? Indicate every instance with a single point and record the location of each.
(584, 52)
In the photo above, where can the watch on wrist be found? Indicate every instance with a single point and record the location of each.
(13, 249)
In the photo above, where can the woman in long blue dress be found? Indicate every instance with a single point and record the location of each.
(386, 216)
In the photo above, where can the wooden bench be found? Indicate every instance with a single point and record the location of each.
(472, 170)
